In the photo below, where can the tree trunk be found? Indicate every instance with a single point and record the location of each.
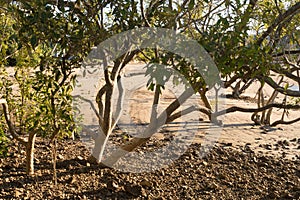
(152, 128)
(30, 154)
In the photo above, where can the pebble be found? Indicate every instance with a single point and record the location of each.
(146, 183)
(79, 157)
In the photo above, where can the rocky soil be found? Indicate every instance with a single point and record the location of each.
(225, 173)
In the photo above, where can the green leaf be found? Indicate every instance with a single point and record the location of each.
(191, 4)
(33, 41)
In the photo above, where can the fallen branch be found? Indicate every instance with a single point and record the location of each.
(285, 122)
(249, 110)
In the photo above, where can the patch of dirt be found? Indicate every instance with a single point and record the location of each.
(224, 173)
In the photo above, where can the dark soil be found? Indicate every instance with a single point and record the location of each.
(223, 174)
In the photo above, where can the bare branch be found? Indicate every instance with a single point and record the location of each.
(280, 89)
(143, 13)
(187, 111)
(91, 104)
(11, 127)
(99, 100)
(285, 122)
(249, 110)
(149, 131)
(153, 118)
(287, 52)
(287, 74)
(292, 64)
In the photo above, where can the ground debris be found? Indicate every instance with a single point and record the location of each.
(224, 173)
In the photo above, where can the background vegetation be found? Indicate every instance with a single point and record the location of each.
(45, 40)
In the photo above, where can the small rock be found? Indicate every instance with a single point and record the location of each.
(268, 146)
(135, 190)
(79, 158)
(247, 149)
(255, 159)
(146, 183)
(112, 185)
(18, 193)
(286, 143)
(229, 144)
(59, 156)
(204, 163)
(71, 180)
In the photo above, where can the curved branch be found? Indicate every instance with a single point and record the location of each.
(143, 13)
(149, 131)
(280, 89)
(285, 122)
(287, 74)
(249, 110)
(11, 127)
(280, 19)
(90, 102)
(99, 99)
(295, 65)
(187, 111)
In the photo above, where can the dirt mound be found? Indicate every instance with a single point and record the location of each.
(223, 174)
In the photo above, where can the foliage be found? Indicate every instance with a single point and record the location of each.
(3, 141)
(45, 40)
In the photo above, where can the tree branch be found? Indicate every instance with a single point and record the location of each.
(280, 19)
(285, 122)
(285, 52)
(249, 110)
(119, 107)
(280, 89)
(187, 111)
(91, 104)
(11, 127)
(287, 74)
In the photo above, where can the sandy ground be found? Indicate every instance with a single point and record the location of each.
(238, 130)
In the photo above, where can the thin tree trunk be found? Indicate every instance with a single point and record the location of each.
(206, 102)
(54, 158)
(255, 117)
(271, 100)
(30, 154)
(119, 107)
